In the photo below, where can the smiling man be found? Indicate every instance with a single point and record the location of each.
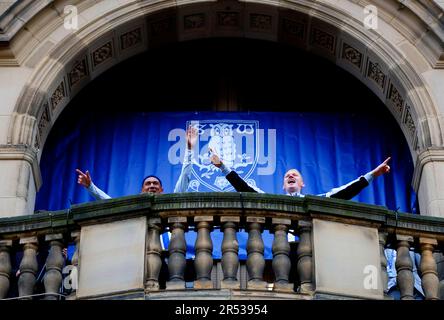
(293, 181)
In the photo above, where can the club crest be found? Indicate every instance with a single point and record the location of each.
(236, 143)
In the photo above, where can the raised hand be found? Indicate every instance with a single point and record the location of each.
(215, 158)
(84, 179)
(382, 168)
(191, 137)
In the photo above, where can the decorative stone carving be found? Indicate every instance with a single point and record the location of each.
(260, 21)
(42, 124)
(408, 121)
(294, 28)
(323, 40)
(58, 95)
(352, 55)
(162, 26)
(395, 97)
(375, 73)
(78, 72)
(102, 54)
(131, 38)
(228, 19)
(194, 21)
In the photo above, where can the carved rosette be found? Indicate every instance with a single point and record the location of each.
(102, 54)
(375, 73)
(323, 40)
(194, 21)
(260, 21)
(131, 38)
(352, 55)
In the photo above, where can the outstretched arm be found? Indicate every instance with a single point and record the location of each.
(236, 181)
(185, 175)
(85, 180)
(353, 188)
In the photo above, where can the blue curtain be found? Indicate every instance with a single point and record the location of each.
(329, 149)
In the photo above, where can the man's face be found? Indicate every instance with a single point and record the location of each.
(293, 181)
(152, 185)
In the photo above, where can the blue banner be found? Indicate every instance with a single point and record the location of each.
(329, 150)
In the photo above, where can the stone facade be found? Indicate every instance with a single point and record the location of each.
(45, 62)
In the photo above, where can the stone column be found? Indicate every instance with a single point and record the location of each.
(428, 182)
(5, 267)
(429, 280)
(204, 253)
(22, 179)
(255, 251)
(404, 267)
(153, 254)
(54, 265)
(28, 266)
(177, 250)
(384, 275)
(281, 255)
(305, 261)
(230, 252)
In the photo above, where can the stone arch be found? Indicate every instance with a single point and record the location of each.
(391, 60)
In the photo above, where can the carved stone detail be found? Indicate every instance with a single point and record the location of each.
(352, 55)
(228, 19)
(409, 122)
(58, 95)
(395, 97)
(78, 72)
(131, 38)
(323, 40)
(194, 21)
(260, 21)
(375, 73)
(102, 54)
(294, 28)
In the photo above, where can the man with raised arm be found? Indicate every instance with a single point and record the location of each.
(293, 182)
(151, 183)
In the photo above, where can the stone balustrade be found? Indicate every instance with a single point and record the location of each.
(119, 252)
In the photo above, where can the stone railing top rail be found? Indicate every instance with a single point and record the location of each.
(222, 204)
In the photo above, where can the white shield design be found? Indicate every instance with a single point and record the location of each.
(236, 143)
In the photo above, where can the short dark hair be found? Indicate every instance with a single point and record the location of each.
(151, 176)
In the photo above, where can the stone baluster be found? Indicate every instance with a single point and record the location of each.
(281, 255)
(255, 253)
(304, 253)
(230, 252)
(153, 254)
(54, 265)
(28, 266)
(204, 253)
(429, 270)
(74, 273)
(404, 267)
(384, 275)
(5, 267)
(177, 251)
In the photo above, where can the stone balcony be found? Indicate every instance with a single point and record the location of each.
(338, 252)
